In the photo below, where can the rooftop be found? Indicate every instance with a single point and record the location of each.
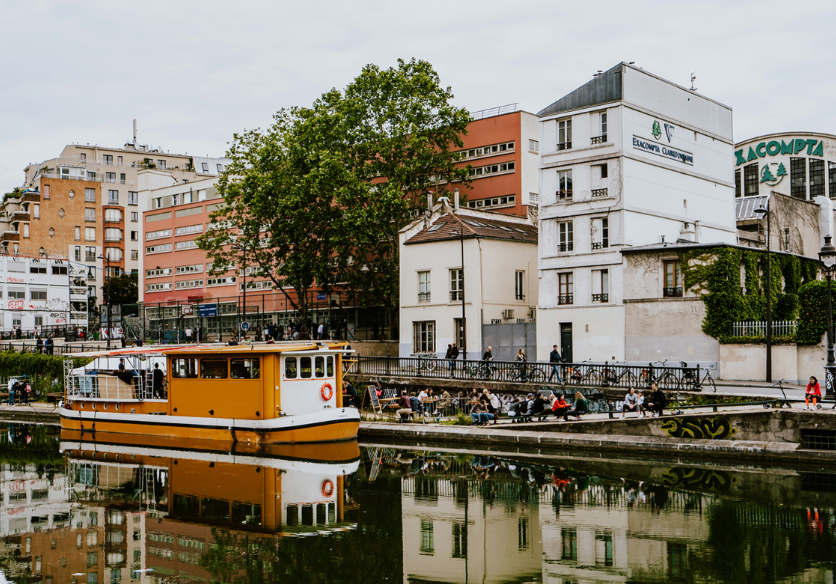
(447, 227)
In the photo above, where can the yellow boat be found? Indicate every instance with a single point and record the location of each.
(257, 394)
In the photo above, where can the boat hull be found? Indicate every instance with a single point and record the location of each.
(331, 425)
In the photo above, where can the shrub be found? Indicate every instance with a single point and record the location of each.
(812, 320)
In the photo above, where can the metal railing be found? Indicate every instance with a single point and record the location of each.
(598, 139)
(757, 328)
(494, 111)
(564, 146)
(566, 299)
(599, 193)
(600, 298)
(565, 246)
(620, 375)
(111, 387)
(672, 292)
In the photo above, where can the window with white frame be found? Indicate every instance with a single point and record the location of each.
(456, 285)
(423, 337)
(90, 256)
(37, 294)
(114, 254)
(110, 177)
(133, 198)
(491, 150)
(220, 168)
(36, 211)
(492, 169)
(159, 234)
(190, 284)
(159, 287)
(113, 215)
(565, 288)
(90, 234)
(189, 230)
(78, 233)
(564, 185)
(82, 157)
(204, 166)
(600, 286)
(17, 293)
(159, 248)
(424, 286)
(261, 285)
(223, 281)
(113, 234)
(112, 197)
(25, 230)
(107, 159)
(161, 164)
(134, 254)
(519, 285)
(601, 233)
(118, 161)
(534, 146)
(193, 269)
(564, 134)
(565, 236)
(90, 214)
(190, 244)
(89, 195)
(157, 273)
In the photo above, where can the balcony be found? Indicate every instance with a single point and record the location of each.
(599, 193)
(20, 216)
(599, 245)
(602, 139)
(424, 296)
(566, 246)
(113, 238)
(10, 236)
(672, 292)
(112, 220)
(31, 197)
(566, 299)
(564, 146)
(603, 298)
(564, 195)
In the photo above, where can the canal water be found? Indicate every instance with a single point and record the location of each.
(81, 511)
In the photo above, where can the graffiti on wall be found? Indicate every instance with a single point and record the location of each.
(716, 428)
(698, 478)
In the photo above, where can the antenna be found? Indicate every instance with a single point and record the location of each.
(134, 131)
(693, 78)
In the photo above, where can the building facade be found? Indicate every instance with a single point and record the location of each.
(491, 270)
(628, 159)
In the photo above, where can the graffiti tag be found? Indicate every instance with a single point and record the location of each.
(716, 428)
(15, 304)
(15, 280)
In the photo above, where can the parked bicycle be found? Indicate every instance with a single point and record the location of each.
(525, 372)
(612, 376)
(426, 363)
(782, 403)
(667, 380)
(588, 375)
(691, 379)
(479, 370)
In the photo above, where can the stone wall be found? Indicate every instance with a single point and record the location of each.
(793, 363)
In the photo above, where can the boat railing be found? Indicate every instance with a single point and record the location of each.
(108, 386)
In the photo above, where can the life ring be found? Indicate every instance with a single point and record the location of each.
(327, 488)
(327, 392)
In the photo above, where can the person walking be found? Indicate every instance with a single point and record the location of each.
(452, 355)
(40, 344)
(50, 345)
(123, 340)
(521, 364)
(812, 393)
(555, 359)
(321, 331)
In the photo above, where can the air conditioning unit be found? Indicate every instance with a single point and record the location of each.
(507, 314)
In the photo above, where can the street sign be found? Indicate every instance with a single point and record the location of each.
(207, 310)
(320, 296)
(245, 326)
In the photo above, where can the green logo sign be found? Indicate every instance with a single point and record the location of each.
(657, 130)
(773, 178)
(773, 148)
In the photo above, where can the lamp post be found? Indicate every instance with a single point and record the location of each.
(460, 233)
(827, 257)
(106, 258)
(765, 211)
(241, 249)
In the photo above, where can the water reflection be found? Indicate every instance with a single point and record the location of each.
(80, 511)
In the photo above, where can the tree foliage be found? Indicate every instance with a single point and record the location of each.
(121, 289)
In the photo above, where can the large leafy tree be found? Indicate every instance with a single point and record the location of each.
(122, 289)
(283, 191)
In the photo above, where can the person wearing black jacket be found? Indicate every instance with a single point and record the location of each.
(159, 380)
(555, 359)
(658, 400)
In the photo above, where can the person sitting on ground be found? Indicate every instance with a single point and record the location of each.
(631, 403)
(581, 407)
(515, 409)
(529, 405)
(813, 393)
(405, 407)
(657, 401)
(560, 407)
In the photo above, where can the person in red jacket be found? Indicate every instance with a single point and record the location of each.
(813, 393)
(560, 407)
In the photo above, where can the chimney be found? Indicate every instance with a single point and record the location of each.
(430, 203)
(697, 231)
(445, 205)
(456, 201)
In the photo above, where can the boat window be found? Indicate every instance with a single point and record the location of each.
(184, 368)
(305, 366)
(330, 361)
(214, 509)
(213, 369)
(319, 363)
(244, 368)
(246, 513)
(290, 367)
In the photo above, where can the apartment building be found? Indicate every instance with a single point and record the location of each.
(502, 147)
(628, 159)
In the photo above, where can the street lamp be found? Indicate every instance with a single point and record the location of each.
(241, 249)
(827, 257)
(460, 233)
(765, 211)
(106, 258)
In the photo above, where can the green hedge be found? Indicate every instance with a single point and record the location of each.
(43, 369)
(812, 318)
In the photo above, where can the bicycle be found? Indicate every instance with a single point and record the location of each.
(691, 379)
(525, 373)
(667, 380)
(590, 376)
(479, 370)
(613, 378)
(782, 403)
(426, 363)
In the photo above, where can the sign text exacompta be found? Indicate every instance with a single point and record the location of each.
(663, 151)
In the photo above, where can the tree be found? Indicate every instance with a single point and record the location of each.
(121, 289)
(397, 130)
(283, 191)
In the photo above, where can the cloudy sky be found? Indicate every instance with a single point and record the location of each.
(192, 73)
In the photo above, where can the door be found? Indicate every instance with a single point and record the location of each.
(566, 341)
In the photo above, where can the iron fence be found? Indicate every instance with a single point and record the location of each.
(757, 328)
(616, 375)
(58, 350)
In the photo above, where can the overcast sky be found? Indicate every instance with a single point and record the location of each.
(192, 73)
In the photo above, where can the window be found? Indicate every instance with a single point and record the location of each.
(423, 337)
(134, 235)
(89, 195)
(107, 160)
(673, 280)
(205, 166)
(119, 162)
(305, 368)
(90, 233)
(82, 157)
(798, 176)
(191, 229)
(114, 254)
(90, 214)
(190, 244)
(113, 234)
(480, 171)
(519, 283)
(134, 254)
(37, 269)
(566, 289)
(39, 321)
(113, 215)
(112, 197)
(59, 270)
(91, 175)
(159, 234)
(564, 134)
(246, 368)
(565, 236)
(78, 233)
(456, 285)
(533, 146)
(564, 185)
(569, 543)
(133, 198)
(750, 180)
(77, 252)
(158, 287)
(424, 287)
(36, 211)
(189, 284)
(601, 238)
(600, 286)
(604, 172)
(90, 255)
(831, 170)
(213, 369)
(71, 194)
(184, 368)
(603, 126)
(194, 269)
(161, 164)
(738, 188)
(14, 266)
(110, 177)
(134, 216)
(160, 248)
(122, 178)
(158, 272)
(37, 295)
(25, 230)
(290, 368)
(220, 168)
(491, 150)
(816, 178)
(427, 538)
(225, 281)
(46, 191)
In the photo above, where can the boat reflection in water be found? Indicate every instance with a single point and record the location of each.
(170, 511)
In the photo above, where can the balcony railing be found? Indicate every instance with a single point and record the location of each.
(520, 296)
(673, 292)
(564, 195)
(20, 216)
(32, 197)
(456, 295)
(113, 239)
(424, 296)
(757, 328)
(564, 146)
(10, 236)
(598, 139)
(565, 246)
(112, 220)
(566, 299)
(599, 193)
(600, 298)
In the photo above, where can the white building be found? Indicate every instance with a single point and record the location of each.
(498, 284)
(627, 159)
(36, 294)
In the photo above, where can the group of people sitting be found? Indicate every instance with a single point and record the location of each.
(655, 403)
(544, 405)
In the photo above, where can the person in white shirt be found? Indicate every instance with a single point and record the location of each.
(631, 403)
(12, 391)
(321, 331)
